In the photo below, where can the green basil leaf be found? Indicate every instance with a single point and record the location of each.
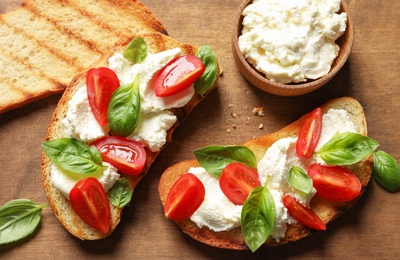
(96, 155)
(136, 51)
(18, 219)
(206, 81)
(257, 217)
(347, 148)
(214, 158)
(386, 171)
(121, 193)
(72, 155)
(124, 107)
(300, 180)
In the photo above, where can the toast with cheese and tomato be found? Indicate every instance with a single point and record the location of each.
(111, 123)
(269, 169)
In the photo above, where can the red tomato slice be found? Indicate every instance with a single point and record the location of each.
(101, 84)
(309, 135)
(89, 200)
(127, 155)
(304, 215)
(184, 198)
(237, 181)
(177, 75)
(334, 183)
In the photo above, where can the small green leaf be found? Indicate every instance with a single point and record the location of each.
(121, 193)
(300, 180)
(386, 171)
(258, 217)
(215, 158)
(18, 219)
(124, 108)
(347, 148)
(206, 81)
(136, 51)
(72, 155)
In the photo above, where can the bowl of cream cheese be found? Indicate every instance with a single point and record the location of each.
(290, 48)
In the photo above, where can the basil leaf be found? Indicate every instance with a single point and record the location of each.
(258, 217)
(96, 155)
(215, 158)
(386, 171)
(121, 193)
(347, 148)
(136, 51)
(124, 107)
(72, 155)
(206, 81)
(18, 219)
(300, 180)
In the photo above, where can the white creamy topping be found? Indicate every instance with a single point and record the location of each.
(275, 165)
(152, 129)
(216, 212)
(65, 181)
(80, 122)
(292, 40)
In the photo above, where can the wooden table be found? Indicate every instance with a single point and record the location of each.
(368, 230)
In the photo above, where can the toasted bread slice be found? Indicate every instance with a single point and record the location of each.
(327, 211)
(44, 44)
(156, 42)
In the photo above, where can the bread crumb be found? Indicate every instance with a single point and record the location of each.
(260, 126)
(228, 130)
(230, 105)
(258, 111)
(234, 115)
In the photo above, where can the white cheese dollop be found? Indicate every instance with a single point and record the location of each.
(80, 122)
(216, 212)
(274, 166)
(292, 40)
(65, 181)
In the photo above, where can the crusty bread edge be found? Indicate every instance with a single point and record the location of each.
(61, 207)
(327, 211)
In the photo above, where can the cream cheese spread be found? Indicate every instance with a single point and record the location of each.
(65, 181)
(218, 213)
(292, 40)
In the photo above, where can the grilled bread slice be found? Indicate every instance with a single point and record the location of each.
(327, 211)
(44, 44)
(156, 42)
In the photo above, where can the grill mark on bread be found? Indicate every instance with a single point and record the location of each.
(75, 33)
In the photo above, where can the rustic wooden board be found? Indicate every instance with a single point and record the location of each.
(368, 230)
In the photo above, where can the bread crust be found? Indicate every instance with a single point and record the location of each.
(326, 210)
(156, 42)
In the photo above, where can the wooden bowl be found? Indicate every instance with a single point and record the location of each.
(258, 79)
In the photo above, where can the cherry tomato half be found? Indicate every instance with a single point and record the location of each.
(177, 75)
(101, 84)
(309, 135)
(237, 181)
(334, 183)
(184, 198)
(89, 200)
(304, 215)
(127, 155)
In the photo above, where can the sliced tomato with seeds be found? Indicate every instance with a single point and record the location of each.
(101, 84)
(127, 155)
(309, 135)
(177, 75)
(334, 183)
(304, 215)
(89, 200)
(184, 197)
(237, 181)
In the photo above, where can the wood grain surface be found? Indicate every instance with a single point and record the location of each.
(369, 230)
